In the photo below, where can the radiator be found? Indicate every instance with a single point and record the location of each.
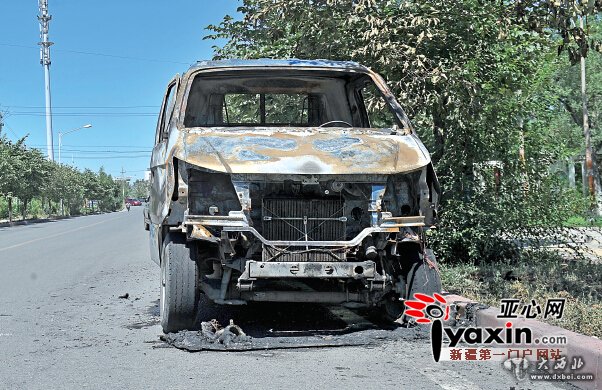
(301, 220)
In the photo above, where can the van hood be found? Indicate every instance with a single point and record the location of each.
(301, 150)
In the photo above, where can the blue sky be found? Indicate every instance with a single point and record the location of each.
(119, 97)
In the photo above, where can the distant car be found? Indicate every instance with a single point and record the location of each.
(133, 202)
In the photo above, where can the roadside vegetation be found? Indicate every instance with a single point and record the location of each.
(33, 187)
(139, 189)
(583, 221)
(537, 276)
(493, 90)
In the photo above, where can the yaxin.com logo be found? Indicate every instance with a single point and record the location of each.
(426, 309)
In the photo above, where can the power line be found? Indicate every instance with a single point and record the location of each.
(153, 114)
(11, 129)
(100, 54)
(93, 152)
(83, 151)
(82, 107)
(102, 146)
(99, 153)
(139, 170)
(107, 157)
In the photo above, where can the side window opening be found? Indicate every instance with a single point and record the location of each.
(167, 113)
(377, 109)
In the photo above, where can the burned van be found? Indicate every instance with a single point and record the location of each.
(288, 181)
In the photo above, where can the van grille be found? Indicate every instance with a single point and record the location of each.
(300, 220)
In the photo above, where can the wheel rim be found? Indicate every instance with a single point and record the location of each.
(394, 307)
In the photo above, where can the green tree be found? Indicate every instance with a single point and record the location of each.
(35, 170)
(66, 185)
(110, 195)
(91, 185)
(569, 84)
(139, 189)
(9, 172)
(24, 172)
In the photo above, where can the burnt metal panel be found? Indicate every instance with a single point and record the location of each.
(301, 151)
(210, 189)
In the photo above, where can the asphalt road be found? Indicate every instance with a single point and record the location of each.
(63, 325)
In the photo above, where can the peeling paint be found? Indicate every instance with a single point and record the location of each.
(334, 145)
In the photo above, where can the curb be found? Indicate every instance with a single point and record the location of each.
(589, 348)
(23, 222)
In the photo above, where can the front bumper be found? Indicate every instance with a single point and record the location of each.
(280, 269)
(237, 221)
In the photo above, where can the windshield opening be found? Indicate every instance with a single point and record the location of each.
(286, 99)
(267, 109)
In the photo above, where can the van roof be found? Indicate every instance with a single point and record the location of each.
(292, 63)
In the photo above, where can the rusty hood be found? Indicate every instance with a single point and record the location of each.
(301, 150)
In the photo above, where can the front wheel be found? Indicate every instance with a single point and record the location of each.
(422, 276)
(179, 285)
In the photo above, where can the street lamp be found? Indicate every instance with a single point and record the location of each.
(67, 132)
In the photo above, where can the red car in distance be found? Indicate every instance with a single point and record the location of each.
(133, 202)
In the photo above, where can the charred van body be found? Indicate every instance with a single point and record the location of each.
(289, 181)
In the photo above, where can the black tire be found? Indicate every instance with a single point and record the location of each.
(391, 308)
(424, 276)
(180, 292)
(421, 276)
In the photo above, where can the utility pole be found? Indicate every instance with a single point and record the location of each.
(123, 182)
(44, 17)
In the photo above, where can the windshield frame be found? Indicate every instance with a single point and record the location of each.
(398, 113)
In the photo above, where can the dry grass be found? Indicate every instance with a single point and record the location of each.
(538, 275)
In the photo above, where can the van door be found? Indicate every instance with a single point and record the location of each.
(159, 199)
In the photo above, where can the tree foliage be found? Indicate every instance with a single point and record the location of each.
(568, 84)
(139, 189)
(24, 171)
(25, 174)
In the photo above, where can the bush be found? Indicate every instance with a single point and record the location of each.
(35, 209)
(3, 208)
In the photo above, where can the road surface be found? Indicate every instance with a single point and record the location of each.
(63, 325)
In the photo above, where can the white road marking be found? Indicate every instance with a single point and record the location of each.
(57, 234)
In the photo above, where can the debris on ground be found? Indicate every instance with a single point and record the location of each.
(284, 332)
(212, 337)
(211, 333)
(232, 333)
(124, 296)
